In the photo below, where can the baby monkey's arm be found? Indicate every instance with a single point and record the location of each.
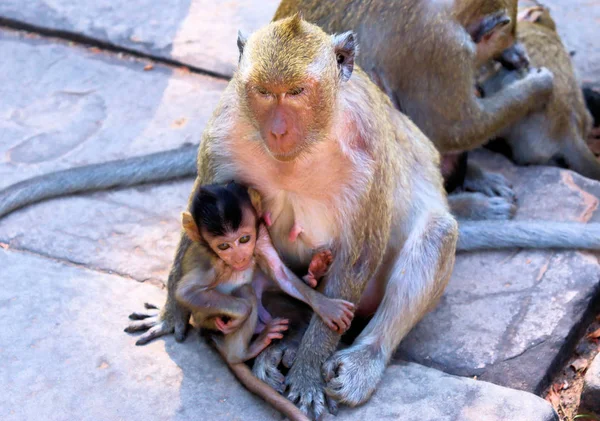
(337, 314)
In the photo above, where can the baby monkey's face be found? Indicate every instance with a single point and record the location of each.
(236, 248)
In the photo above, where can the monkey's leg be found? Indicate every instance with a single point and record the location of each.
(478, 206)
(416, 281)
(173, 316)
(490, 184)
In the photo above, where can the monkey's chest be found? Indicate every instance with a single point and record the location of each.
(300, 226)
(237, 279)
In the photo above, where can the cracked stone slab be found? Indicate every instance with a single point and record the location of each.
(64, 106)
(590, 397)
(199, 33)
(66, 357)
(510, 317)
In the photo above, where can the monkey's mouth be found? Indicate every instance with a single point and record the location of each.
(243, 267)
(284, 155)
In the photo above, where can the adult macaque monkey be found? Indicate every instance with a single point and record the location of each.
(425, 54)
(556, 135)
(329, 153)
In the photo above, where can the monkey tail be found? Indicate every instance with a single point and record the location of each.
(493, 235)
(266, 392)
(580, 159)
(161, 166)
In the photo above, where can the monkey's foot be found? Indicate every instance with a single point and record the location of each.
(318, 266)
(305, 388)
(352, 375)
(479, 207)
(155, 325)
(266, 364)
(490, 184)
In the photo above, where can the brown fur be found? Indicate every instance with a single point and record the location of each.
(558, 133)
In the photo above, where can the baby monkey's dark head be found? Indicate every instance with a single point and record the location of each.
(223, 217)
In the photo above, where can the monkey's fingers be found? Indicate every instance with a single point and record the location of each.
(267, 218)
(159, 330)
(332, 405)
(143, 324)
(141, 316)
(149, 306)
(310, 280)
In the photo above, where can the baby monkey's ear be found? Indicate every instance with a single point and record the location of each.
(190, 227)
(256, 201)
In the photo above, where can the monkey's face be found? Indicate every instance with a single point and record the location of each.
(285, 116)
(236, 248)
(288, 80)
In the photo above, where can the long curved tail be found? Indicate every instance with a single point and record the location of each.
(161, 166)
(270, 395)
(494, 235)
(581, 159)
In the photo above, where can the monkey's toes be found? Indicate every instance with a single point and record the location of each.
(149, 306)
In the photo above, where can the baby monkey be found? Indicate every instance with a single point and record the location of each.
(224, 294)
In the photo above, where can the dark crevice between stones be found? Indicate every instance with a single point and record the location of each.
(103, 45)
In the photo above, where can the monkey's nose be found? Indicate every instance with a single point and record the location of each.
(278, 134)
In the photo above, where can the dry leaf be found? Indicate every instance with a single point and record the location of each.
(149, 67)
(553, 398)
(579, 364)
(4, 246)
(594, 335)
(180, 122)
(94, 50)
(528, 261)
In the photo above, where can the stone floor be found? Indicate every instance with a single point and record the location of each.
(73, 268)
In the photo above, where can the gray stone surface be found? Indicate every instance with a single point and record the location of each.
(65, 357)
(509, 317)
(578, 26)
(64, 106)
(590, 398)
(200, 33)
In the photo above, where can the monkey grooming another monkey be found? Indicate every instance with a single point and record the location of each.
(557, 134)
(223, 222)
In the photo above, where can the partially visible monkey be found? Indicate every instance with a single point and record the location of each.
(329, 153)
(557, 134)
(223, 222)
(423, 56)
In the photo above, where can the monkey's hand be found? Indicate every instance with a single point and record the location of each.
(318, 267)
(156, 325)
(230, 325)
(337, 314)
(266, 365)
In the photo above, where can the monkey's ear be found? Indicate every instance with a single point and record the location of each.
(531, 14)
(345, 50)
(241, 43)
(256, 201)
(190, 227)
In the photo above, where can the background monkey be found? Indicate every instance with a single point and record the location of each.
(224, 222)
(432, 79)
(557, 134)
(328, 152)
(435, 93)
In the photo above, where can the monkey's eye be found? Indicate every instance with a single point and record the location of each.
(244, 239)
(340, 58)
(223, 246)
(295, 91)
(262, 91)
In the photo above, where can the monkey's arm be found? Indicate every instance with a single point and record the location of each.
(161, 166)
(337, 314)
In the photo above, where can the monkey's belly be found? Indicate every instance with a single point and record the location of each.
(371, 298)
